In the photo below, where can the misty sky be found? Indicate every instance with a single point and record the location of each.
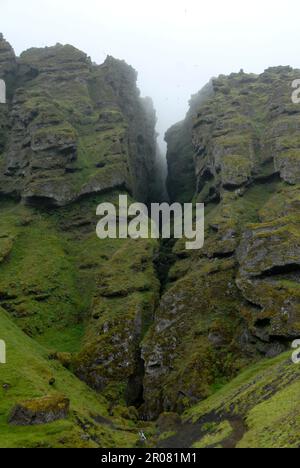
(175, 45)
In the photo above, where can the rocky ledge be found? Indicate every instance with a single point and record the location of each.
(74, 128)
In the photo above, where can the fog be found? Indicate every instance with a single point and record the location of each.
(175, 45)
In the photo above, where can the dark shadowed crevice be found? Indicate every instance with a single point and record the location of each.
(135, 386)
(163, 261)
(262, 323)
(281, 270)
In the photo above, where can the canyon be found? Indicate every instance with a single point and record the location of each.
(107, 338)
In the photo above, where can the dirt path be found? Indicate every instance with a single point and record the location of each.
(188, 434)
(239, 429)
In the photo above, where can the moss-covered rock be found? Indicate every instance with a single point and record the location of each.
(243, 131)
(122, 310)
(40, 411)
(194, 342)
(180, 155)
(76, 128)
(242, 163)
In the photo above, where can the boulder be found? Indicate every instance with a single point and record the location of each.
(40, 411)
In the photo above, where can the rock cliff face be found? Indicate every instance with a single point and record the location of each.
(238, 298)
(73, 135)
(181, 172)
(105, 336)
(74, 128)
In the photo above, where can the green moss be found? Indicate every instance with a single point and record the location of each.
(6, 245)
(79, 119)
(48, 279)
(38, 281)
(258, 409)
(200, 316)
(47, 403)
(165, 435)
(236, 170)
(122, 310)
(275, 422)
(54, 137)
(240, 142)
(217, 433)
(256, 384)
(68, 339)
(26, 376)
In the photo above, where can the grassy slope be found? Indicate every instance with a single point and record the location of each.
(258, 409)
(49, 262)
(27, 374)
(263, 400)
(37, 272)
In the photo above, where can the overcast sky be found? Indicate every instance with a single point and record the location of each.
(175, 45)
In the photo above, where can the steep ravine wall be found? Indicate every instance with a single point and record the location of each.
(237, 299)
(74, 128)
(74, 134)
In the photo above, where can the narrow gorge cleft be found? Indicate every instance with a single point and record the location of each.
(109, 339)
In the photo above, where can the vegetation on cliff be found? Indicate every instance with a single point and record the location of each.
(105, 337)
(237, 300)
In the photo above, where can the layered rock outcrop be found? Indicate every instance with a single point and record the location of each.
(181, 173)
(127, 292)
(74, 128)
(73, 135)
(238, 298)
